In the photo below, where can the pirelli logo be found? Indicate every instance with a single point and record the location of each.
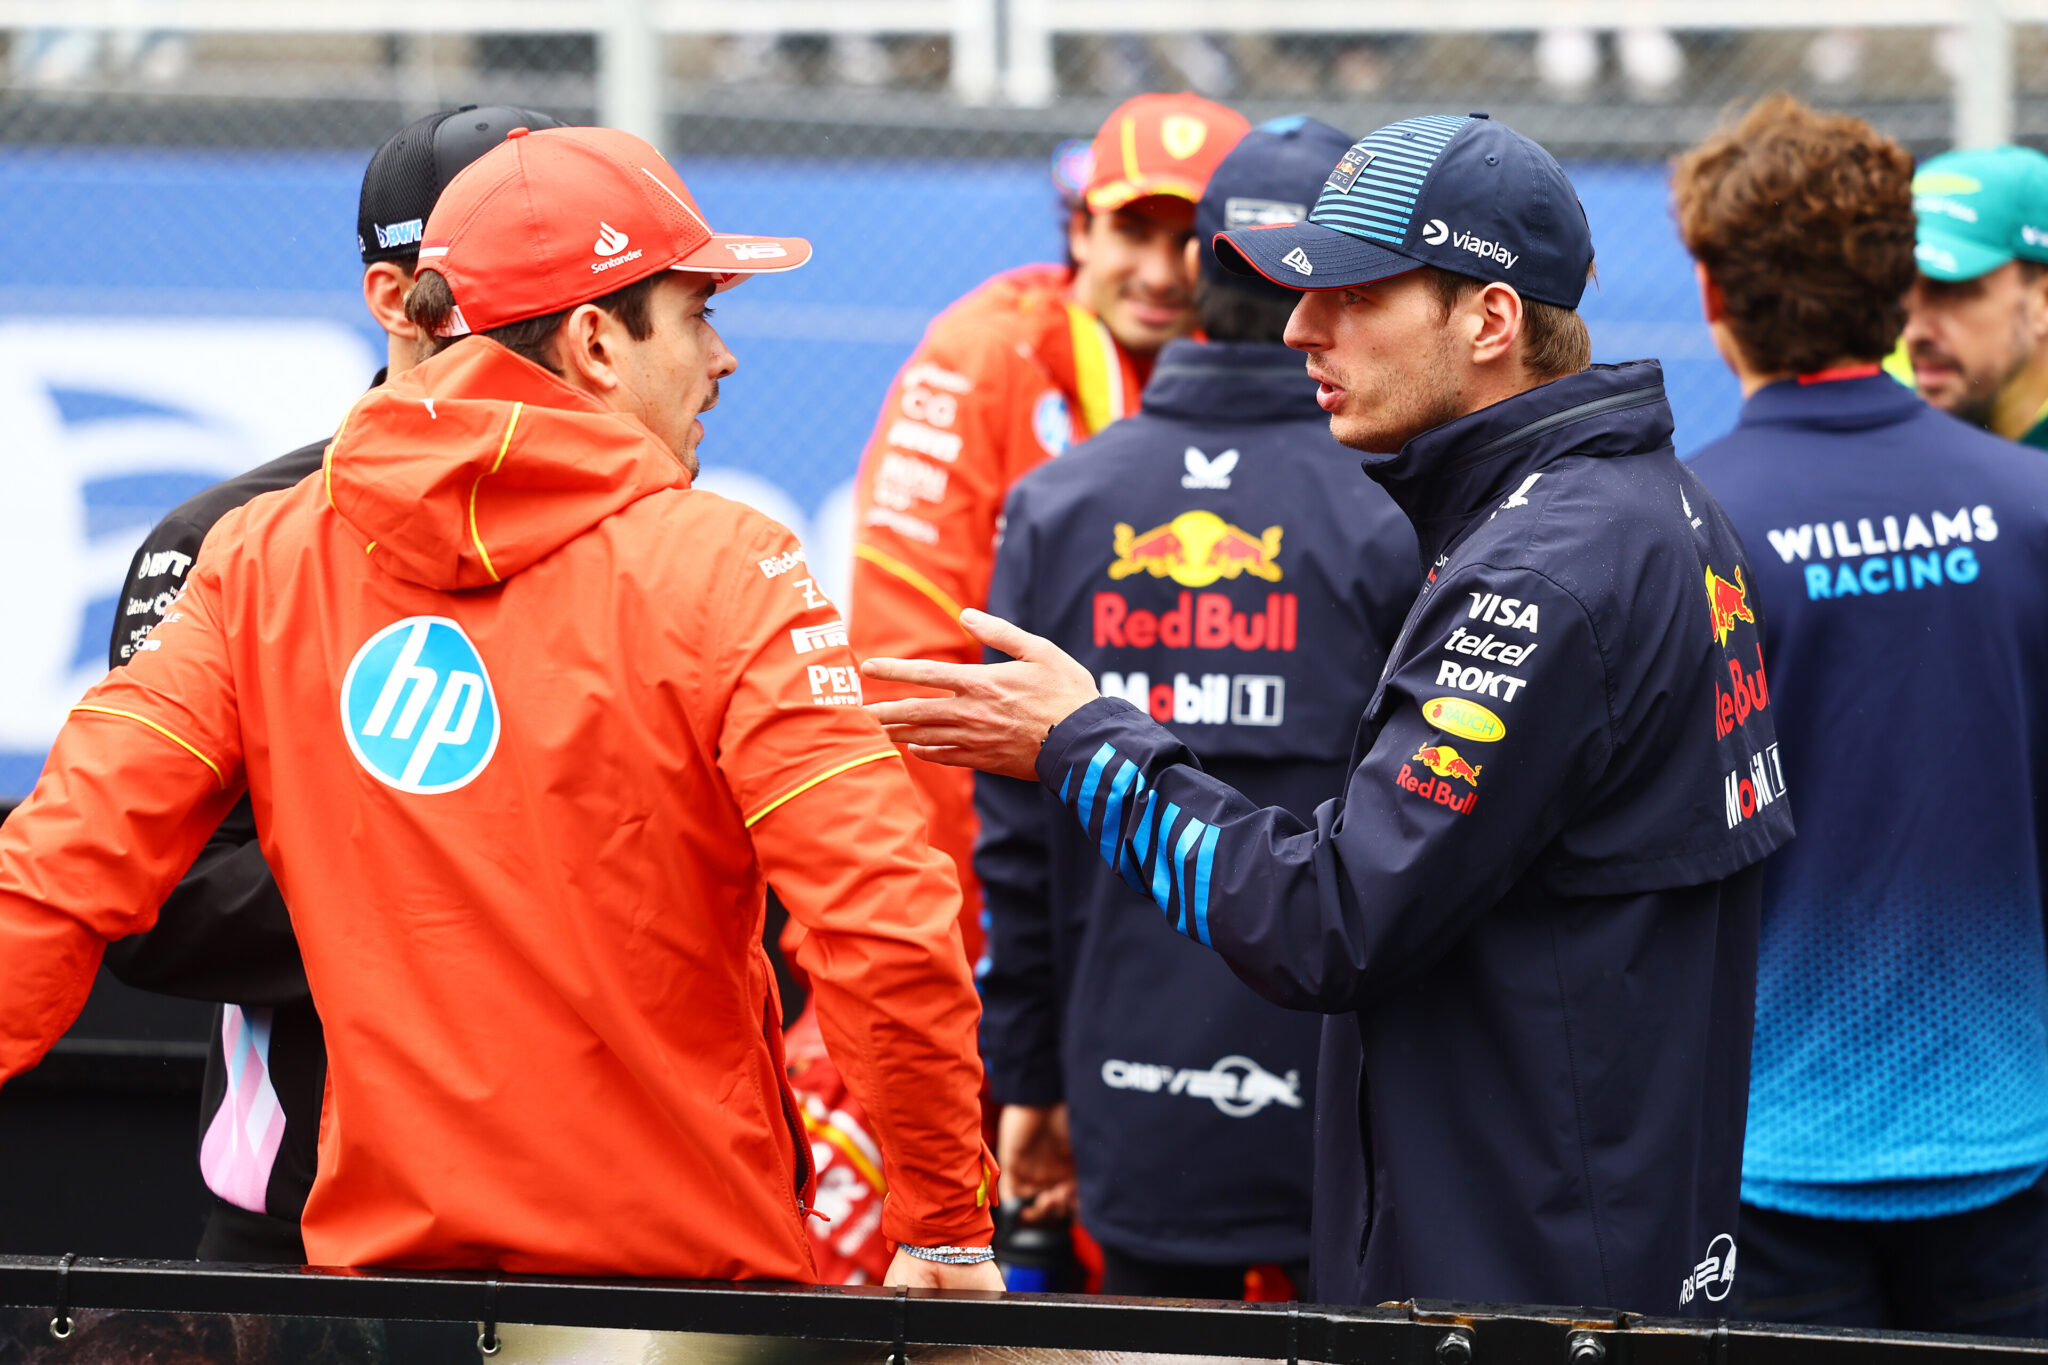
(808, 638)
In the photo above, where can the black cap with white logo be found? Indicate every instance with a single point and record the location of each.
(407, 174)
(1466, 195)
(1272, 176)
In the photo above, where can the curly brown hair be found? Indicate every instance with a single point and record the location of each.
(1805, 222)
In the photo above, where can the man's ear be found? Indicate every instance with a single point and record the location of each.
(1077, 235)
(2034, 284)
(1713, 302)
(1194, 258)
(1498, 312)
(584, 350)
(384, 288)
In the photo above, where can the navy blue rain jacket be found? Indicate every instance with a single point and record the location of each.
(1190, 1098)
(1533, 913)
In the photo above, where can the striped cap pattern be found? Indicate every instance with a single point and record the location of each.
(1377, 201)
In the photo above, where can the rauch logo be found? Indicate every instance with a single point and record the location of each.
(418, 708)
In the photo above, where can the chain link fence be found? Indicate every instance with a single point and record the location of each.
(180, 297)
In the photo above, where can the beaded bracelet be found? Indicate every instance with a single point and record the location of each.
(953, 1255)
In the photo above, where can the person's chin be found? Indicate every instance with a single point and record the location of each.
(1152, 329)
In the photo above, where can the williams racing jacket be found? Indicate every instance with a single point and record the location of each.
(1533, 913)
(1205, 559)
(527, 725)
(1005, 379)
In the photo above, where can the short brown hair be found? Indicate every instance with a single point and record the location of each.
(1804, 221)
(1555, 342)
(430, 306)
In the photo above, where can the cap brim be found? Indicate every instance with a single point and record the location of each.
(1113, 196)
(1307, 257)
(733, 256)
(1944, 257)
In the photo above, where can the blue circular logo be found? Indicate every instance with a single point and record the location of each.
(1050, 422)
(418, 708)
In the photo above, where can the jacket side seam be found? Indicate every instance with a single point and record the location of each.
(890, 565)
(825, 776)
(476, 537)
(186, 745)
(1571, 1055)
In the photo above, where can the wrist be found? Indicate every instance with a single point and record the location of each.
(951, 1255)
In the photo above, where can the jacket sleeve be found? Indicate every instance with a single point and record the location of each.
(224, 932)
(1020, 1022)
(147, 765)
(839, 835)
(1486, 737)
(931, 483)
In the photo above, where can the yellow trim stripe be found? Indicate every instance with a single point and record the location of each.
(144, 720)
(1098, 370)
(825, 776)
(1132, 171)
(497, 464)
(890, 565)
(847, 1148)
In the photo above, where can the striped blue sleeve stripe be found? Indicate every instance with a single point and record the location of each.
(1182, 858)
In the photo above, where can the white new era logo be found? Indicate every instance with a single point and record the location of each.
(611, 242)
(755, 251)
(1299, 260)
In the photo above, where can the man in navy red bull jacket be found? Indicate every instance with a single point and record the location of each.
(1898, 1115)
(1188, 1098)
(1533, 912)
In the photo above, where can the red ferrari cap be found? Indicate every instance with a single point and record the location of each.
(553, 218)
(1160, 144)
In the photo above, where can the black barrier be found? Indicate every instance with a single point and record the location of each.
(64, 1299)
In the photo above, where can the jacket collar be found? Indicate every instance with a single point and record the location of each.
(1836, 405)
(1448, 475)
(1232, 382)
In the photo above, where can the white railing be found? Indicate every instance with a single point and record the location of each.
(1023, 30)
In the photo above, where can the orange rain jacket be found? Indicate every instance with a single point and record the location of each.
(552, 1030)
(1005, 379)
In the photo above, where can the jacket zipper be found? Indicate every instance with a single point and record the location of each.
(798, 1137)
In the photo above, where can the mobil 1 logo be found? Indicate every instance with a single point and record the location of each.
(417, 706)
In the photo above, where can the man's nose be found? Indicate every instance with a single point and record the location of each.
(1164, 267)
(1307, 325)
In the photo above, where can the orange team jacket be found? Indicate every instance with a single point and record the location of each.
(1005, 379)
(528, 726)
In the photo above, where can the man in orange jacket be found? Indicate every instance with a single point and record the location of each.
(528, 725)
(1035, 359)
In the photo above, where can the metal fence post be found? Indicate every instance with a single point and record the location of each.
(974, 51)
(1984, 77)
(629, 69)
(1029, 82)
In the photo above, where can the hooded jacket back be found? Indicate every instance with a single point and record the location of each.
(528, 725)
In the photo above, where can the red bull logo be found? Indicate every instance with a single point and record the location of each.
(1195, 549)
(1445, 761)
(1727, 603)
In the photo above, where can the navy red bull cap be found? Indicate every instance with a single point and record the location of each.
(1466, 195)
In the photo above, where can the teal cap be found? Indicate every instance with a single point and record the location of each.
(1978, 209)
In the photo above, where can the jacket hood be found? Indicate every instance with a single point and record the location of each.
(462, 472)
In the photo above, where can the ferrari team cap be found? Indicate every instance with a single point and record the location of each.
(553, 218)
(407, 174)
(1272, 176)
(1466, 195)
(1978, 209)
(1160, 144)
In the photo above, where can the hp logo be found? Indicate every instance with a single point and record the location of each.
(418, 708)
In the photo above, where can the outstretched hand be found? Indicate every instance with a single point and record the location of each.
(999, 714)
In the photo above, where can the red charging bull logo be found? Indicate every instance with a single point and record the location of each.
(1727, 603)
(1195, 549)
(1447, 764)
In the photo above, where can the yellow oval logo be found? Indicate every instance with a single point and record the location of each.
(1465, 719)
(1182, 135)
(1945, 182)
